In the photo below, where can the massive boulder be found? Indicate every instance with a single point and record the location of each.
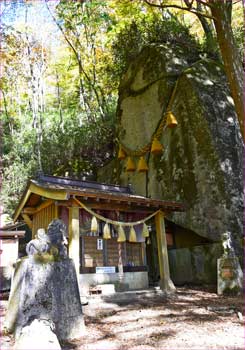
(202, 162)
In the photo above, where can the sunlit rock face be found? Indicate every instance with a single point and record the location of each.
(203, 156)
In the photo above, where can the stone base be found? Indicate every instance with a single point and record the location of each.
(37, 336)
(167, 286)
(230, 276)
(45, 291)
(130, 281)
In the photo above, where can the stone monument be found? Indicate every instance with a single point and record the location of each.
(229, 272)
(44, 292)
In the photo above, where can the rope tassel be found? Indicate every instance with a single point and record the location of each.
(132, 235)
(145, 231)
(142, 165)
(171, 120)
(106, 231)
(121, 153)
(94, 224)
(130, 165)
(156, 147)
(121, 234)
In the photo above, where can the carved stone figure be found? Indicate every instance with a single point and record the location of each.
(38, 245)
(53, 242)
(227, 245)
(44, 291)
(57, 238)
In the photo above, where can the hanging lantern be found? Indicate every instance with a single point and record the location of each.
(106, 231)
(94, 224)
(171, 120)
(121, 235)
(148, 241)
(142, 165)
(145, 231)
(156, 147)
(132, 235)
(130, 165)
(121, 153)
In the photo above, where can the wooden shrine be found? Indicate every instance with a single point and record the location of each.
(99, 260)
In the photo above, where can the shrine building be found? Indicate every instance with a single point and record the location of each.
(108, 229)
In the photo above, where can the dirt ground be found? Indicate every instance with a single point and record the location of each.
(194, 318)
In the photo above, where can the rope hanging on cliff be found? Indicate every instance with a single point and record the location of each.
(164, 122)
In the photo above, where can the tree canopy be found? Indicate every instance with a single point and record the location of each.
(59, 84)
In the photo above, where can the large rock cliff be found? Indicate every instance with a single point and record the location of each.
(203, 156)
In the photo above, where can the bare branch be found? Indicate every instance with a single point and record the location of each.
(205, 3)
(189, 9)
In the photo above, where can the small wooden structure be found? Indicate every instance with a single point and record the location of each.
(9, 251)
(98, 261)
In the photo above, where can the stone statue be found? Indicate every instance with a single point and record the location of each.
(227, 245)
(57, 237)
(38, 245)
(45, 291)
(53, 243)
(229, 272)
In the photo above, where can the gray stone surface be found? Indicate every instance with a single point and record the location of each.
(230, 276)
(54, 242)
(39, 335)
(194, 265)
(45, 290)
(229, 272)
(202, 160)
(5, 277)
(131, 280)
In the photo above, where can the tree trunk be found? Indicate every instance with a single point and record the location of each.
(212, 45)
(230, 55)
(59, 100)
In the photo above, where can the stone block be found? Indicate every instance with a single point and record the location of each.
(230, 276)
(107, 288)
(39, 335)
(45, 290)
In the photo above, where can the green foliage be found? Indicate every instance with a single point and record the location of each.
(81, 150)
(60, 95)
(143, 31)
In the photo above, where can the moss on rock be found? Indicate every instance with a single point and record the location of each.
(203, 157)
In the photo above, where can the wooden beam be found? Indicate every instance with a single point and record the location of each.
(165, 282)
(117, 207)
(106, 206)
(74, 233)
(44, 205)
(27, 220)
(54, 194)
(12, 234)
(133, 200)
(28, 210)
(48, 192)
(34, 210)
(21, 205)
(68, 203)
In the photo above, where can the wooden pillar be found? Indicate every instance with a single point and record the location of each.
(56, 210)
(143, 254)
(120, 263)
(74, 249)
(165, 282)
